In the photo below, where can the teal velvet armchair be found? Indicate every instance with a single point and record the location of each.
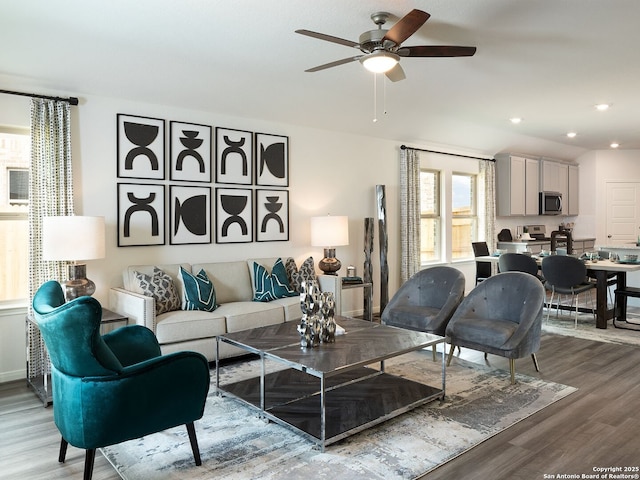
(111, 388)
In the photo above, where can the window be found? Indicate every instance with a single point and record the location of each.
(464, 222)
(429, 216)
(14, 229)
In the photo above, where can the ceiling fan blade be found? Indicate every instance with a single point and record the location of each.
(436, 51)
(396, 73)
(406, 26)
(334, 64)
(328, 38)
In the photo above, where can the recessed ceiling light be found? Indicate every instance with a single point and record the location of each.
(614, 145)
(571, 134)
(601, 107)
(515, 120)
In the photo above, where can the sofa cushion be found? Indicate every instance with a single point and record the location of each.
(231, 279)
(181, 325)
(291, 308)
(161, 288)
(199, 292)
(306, 273)
(270, 286)
(246, 315)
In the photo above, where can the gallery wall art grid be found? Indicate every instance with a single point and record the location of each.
(215, 189)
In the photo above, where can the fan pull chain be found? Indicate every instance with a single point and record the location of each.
(375, 98)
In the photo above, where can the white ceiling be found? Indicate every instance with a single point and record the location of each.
(547, 61)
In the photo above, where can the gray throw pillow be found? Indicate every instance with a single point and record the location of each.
(159, 286)
(306, 273)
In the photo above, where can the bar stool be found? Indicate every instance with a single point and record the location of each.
(618, 295)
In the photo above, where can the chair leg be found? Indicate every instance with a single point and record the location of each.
(89, 458)
(433, 352)
(512, 369)
(535, 362)
(63, 450)
(191, 430)
(450, 354)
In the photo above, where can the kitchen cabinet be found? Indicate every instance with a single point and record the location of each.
(583, 245)
(561, 177)
(517, 185)
(572, 206)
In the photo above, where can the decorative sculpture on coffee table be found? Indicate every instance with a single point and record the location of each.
(310, 324)
(327, 309)
(318, 324)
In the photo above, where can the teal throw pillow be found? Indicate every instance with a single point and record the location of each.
(199, 293)
(268, 287)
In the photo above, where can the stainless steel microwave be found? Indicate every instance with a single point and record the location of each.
(550, 203)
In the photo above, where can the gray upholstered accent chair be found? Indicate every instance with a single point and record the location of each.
(502, 316)
(426, 301)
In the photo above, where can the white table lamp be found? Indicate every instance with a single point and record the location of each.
(329, 232)
(74, 238)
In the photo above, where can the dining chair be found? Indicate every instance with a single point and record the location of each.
(483, 269)
(566, 275)
(519, 262)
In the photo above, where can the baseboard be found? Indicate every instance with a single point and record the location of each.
(11, 376)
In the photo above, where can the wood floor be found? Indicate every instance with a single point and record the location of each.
(598, 426)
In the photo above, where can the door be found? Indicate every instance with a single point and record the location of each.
(623, 214)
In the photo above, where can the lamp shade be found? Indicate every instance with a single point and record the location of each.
(73, 238)
(329, 231)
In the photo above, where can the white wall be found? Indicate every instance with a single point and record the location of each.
(329, 173)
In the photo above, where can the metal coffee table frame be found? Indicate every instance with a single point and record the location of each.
(330, 392)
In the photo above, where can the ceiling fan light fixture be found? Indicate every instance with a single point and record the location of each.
(380, 61)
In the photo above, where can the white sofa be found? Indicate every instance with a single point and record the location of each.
(196, 330)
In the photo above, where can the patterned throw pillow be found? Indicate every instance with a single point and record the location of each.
(159, 286)
(306, 273)
(268, 287)
(199, 293)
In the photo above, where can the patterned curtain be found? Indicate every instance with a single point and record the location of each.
(487, 199)
(409, 213)
(50, 193)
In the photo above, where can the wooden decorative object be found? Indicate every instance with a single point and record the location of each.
(368, 270)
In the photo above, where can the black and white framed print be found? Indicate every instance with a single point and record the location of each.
(272, 215)
(272, 160)
(190, 215)
(141, 216)
(140, 147)
(234, 215)
(190, 152)
(234, 156)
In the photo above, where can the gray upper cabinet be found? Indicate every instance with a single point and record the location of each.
(561, 177)
(517, 185)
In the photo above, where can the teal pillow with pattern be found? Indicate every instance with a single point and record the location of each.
(269, 286)
(199, 293)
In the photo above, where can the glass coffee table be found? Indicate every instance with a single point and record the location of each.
(334, 390)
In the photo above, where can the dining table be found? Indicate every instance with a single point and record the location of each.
(601, 271)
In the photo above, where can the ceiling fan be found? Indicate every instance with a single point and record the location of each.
(382, 49)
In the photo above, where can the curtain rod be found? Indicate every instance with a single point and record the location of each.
(404, 147)
(70, 100)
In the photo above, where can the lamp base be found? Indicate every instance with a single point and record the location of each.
(78, 284)
(329, 264)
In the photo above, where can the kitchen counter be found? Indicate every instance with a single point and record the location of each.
(580, 245)
(620, 246)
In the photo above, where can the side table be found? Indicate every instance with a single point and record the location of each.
(38, 364)
(367, 289)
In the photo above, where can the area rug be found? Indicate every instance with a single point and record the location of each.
(236, 444)
(586, 329)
